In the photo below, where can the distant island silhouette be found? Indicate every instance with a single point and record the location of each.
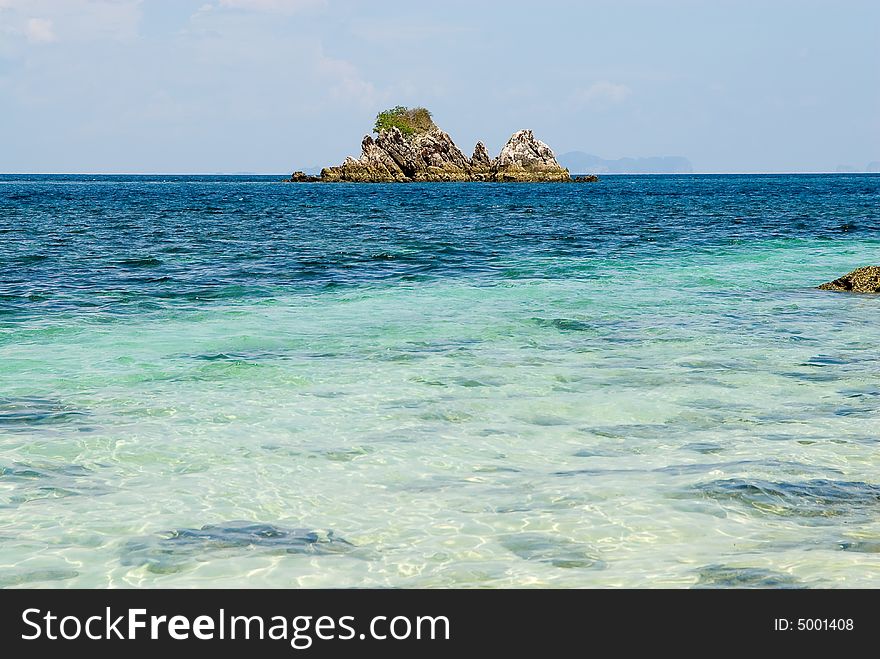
(580, 162)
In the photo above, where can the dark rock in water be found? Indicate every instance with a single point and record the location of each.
(723, 576)
(35, 576)
(173, 550)
(860, 280)
(588, 178)
(863, 546)
(813, 498)
(302, 177)
(405, 152)
(24, 472)
(558, 552)
(24, 483)
(27, 411)
(249, 534)
(565, 324)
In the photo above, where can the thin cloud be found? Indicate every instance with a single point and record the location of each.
(39, 30)
(346, 84)
(271, 6)
(603, 93)
(44, 21)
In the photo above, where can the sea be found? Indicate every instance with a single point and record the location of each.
(230, 381)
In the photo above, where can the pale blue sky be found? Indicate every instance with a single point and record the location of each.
(272, 85)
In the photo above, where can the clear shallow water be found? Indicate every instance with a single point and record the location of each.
(210, 381)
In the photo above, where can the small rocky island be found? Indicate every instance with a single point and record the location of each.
(860, 280)
(410, 147)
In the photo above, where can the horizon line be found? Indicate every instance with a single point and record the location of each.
(705, 173)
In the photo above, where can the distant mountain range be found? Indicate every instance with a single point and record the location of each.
(578, 162)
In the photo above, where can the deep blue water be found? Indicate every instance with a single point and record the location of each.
(115, 242)
(237, 381)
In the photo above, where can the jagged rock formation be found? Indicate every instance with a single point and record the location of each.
(429, 154)
(481, 164)
(395, 157)
(525, 158)
(481, 156)
(860, 280)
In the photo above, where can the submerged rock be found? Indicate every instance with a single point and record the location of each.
(860, 280)
(29, 411)
(726, 576)
(552, 550)
(174, 550)
(814, 498)
(22, 483)
(25, 577)
(404, 151)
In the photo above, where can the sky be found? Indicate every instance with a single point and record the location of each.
(268, 86)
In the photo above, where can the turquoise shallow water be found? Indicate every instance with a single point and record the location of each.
(236, 382)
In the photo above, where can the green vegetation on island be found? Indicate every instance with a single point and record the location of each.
(407, 120)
